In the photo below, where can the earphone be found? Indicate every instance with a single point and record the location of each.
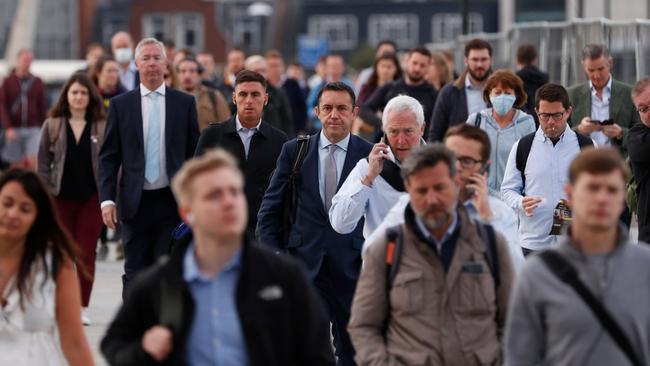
(190, 218)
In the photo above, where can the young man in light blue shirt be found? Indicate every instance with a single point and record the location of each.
(535, 192)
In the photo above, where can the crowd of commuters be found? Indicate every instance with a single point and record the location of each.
(413, 217)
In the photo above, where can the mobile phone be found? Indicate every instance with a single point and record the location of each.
(484, 168)
(606, 122)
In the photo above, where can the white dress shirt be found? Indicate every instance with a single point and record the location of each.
(547, 172)
(504, 221)
(355, 199)
(339, 158)
(163, 179)
(246, 134)
(600, 111)
(127, 77)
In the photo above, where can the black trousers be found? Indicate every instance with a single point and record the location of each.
(148, 235)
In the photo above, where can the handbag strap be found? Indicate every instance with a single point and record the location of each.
(568, 274)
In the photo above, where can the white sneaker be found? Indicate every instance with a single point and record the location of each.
(85, 320)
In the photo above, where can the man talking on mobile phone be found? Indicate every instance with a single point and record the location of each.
(375, 184)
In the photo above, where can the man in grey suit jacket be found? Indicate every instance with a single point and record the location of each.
(602, 107)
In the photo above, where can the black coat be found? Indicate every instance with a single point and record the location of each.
(638, 146)
(263, 153)
(450, 109)
(533, 79)
(290, 330)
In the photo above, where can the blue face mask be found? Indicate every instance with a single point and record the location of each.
(502, 103)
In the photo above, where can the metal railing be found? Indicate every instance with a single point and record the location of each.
(559, 46)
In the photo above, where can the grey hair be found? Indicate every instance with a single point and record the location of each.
(428, 156)
(593, 51)
(252, 60)
(640, 86)
(403, 103)
(147, 41)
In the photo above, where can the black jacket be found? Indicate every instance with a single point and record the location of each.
(450, 109)
(638, 147)
(263, 153)
(297, 101)
(278, 111)
(533, 79)
(290, 330)
(425, 93)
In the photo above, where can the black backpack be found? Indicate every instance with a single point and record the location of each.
(526, 143)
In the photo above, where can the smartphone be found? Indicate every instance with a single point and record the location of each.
(606, 122)
(484, 168)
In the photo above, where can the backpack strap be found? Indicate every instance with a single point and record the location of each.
(392, 174)
(393, 256)
(584, 141)
(54, 126)
(477, 120)
(171, 306)
(488, 235)
(521, 157)
(565, 271)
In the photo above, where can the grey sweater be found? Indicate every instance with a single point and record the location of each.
(549, 324)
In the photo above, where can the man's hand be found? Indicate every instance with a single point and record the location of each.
(157, 342)
(613, 131)
(11, 135)
(480, 197)
(109, 216)
(529, 203)
(586, 127)
(376, 159)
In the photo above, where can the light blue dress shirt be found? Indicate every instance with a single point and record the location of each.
(600, 111)
(246, 134)
(216, 336)
(475, 102)
(445, 238)
(547, 172)
(339, 158)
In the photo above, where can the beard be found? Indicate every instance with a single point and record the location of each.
(436, 217)
(415, 78)
(479, 78)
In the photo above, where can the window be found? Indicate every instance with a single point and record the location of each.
(341, 30)
(185, 29)
(447, 26)
(401, 28)
(247, 32)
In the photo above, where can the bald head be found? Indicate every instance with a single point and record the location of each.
(257, 64)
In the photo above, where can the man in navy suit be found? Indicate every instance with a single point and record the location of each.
(332, 260)
(151, 131)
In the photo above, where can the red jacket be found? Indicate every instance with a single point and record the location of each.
(36, 102)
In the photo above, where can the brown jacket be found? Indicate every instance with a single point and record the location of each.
(436, 318)
(52, 150)
(211, 108)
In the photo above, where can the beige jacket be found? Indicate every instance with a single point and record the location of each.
(211, 108)
(435, 318)
(52, 150)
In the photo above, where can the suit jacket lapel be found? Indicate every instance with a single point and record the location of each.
(169, 119)
(352, 156)
(137, 109)
(586, 106)
(615, 103)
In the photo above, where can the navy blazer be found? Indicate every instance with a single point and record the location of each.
(124, 146)
(312, 236)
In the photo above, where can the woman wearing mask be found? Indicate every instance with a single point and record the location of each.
(106, 77)
(39, 291)
(67, 160)
(503, 122)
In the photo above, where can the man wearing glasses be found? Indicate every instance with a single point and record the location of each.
(534, 185)
(639, 150)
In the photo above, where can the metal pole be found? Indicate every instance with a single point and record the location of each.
(464, 13)
(23, 29)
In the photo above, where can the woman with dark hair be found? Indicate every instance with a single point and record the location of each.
(503, 121)
(67, 160)
(106, 77)
(39, 291)
(385, 69)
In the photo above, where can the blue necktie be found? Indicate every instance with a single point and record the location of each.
(152, 147)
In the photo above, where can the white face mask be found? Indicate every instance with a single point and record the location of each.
(123, 55)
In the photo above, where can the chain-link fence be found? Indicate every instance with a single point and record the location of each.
(559, 46)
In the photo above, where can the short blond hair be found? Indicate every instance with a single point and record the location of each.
(212, 159)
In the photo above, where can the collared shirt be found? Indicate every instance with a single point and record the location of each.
(504, 221)
(339, 158)
(355, 200)
(246, 134)
(215, 336)
(430, 237)
(547, 172)
(127, 77)
(600, 111)
(475, 102)
(146, 102)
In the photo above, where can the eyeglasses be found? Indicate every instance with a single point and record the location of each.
(467, 162)
(556, 116)
(643, 108)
